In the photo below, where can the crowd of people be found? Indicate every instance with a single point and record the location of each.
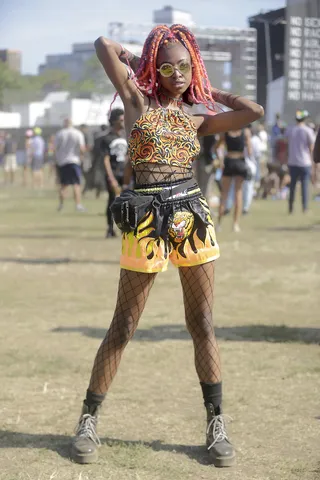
(244, 164)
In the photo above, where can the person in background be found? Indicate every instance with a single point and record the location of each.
(27, 156)
(238, 144)
(270, 182)
(50, 157)
(301, 141)
(69, 147)
(114, 148)
(38, 148)
(264, 150)
(10, 158)
(316, 166)
(204, 164)
(249, 184)
(96, 176)
(316, 151)
(2, 141)
(275, 132)
(86, 163)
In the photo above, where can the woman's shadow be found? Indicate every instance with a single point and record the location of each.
(61, 444)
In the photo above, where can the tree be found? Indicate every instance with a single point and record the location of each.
(54, 80)
(9, 79)
(95, 76)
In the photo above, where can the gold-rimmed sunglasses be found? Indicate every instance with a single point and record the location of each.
(167, 69)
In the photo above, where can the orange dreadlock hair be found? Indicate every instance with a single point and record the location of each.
(199, 90)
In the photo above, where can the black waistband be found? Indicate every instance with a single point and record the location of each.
(172, 192)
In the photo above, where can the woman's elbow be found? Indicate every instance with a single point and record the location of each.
(257, 111)
(101, 41)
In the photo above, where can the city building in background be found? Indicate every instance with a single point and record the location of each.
(73, 63)
(12, 58)
(169, 15)
(230, 56)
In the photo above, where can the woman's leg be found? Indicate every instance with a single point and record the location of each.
(197, 285)
(225, 187)
(230, 198)
(247, 195)
(133, 292)
(238, 202)
(294, 174)
(305, 181)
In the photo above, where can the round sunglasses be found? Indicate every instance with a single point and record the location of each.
(167, 69)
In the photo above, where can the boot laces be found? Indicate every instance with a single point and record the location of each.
(87, 428)
(218, 429)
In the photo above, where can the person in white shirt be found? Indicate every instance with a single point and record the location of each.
(69, 147)
(37, 149)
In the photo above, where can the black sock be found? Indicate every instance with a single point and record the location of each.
(94, 398)
(212, 393)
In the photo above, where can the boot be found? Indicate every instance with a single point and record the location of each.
(84, 447)
(220, 449)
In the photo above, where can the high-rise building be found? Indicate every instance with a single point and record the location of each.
(12, 58)
(230, 54)
(169, 15)
(73, 63)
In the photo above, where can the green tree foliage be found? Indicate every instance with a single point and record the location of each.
(16, 88)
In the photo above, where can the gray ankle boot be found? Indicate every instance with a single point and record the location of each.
(84, 447)
(220, 449)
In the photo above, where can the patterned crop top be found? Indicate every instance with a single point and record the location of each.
(164, 136)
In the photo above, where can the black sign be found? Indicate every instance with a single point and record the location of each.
(302, 62)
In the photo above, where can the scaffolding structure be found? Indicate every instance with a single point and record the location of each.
(230, 54)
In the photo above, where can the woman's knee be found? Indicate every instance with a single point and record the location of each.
(201, 327)
(122, 331)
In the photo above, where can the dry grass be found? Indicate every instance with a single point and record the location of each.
(57, 294)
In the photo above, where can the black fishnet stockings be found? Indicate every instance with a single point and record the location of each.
(197, 284)
(133, 292)
(152, 173)
(134, 288)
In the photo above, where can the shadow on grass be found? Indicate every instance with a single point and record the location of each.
(61, 444)
(245, 333)
(305, 228)
(56, 261)
(52, 236)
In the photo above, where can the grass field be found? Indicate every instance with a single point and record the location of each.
(58, 284)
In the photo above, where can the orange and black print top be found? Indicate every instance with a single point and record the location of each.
(164, 136)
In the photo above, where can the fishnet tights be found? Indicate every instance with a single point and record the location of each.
(134, 289)
(151, 173)
(133, 292)
(197, 285)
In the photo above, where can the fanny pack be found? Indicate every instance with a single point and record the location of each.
(131, 206)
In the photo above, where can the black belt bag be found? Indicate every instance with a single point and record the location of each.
(130, 207)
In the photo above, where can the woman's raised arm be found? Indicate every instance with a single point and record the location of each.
(112, 57)
(243, 112)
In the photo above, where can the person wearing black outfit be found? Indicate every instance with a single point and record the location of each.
(114, 147)
(204, 163)
(237, 145)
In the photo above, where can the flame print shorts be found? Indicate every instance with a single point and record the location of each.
(180, 230)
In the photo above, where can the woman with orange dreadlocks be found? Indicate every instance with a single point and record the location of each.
(166, 217)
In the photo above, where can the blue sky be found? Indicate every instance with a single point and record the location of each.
(40, 27)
